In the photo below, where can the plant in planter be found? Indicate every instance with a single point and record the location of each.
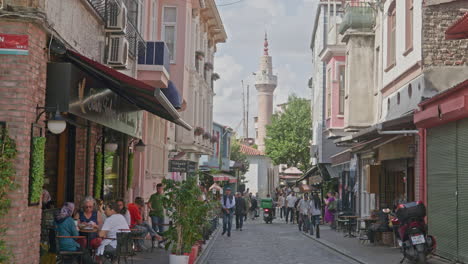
(208, 66)
(198, 131)
(215, 76)
(188, 215)
(199, 55)
(36, 169)
(206, 135)
(214, 139)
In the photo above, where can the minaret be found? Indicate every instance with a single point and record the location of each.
(265, 84)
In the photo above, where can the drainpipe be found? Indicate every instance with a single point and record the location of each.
(397, 132)
(422, 164)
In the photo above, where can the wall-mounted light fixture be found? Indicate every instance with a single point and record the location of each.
(140, 146)
(56, 124)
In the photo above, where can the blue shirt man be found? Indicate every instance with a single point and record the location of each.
(228, 203)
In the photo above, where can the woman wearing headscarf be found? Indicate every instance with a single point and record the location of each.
(330, 209)
(65, 226)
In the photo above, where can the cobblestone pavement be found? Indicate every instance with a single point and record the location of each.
(271, 243)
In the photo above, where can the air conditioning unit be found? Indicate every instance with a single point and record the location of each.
(116, 17)
(117, 51)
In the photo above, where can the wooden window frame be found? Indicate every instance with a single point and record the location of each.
(170, 24)
(341, 91)
(391, 36)
(329, 93)
(409, 24)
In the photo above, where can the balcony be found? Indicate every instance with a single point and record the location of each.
(153, 64)
(358, 16)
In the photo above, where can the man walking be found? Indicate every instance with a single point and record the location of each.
(228, 204)
(282, 205)
(155, 205)
(240, 211)
(304, 210)
(290, 201)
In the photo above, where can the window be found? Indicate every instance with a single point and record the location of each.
(410, 90)
(341, 76)
(398, 98)
(154, 20)
(391, 41)
(329, 93)
(388, 104)
(169, 30)
(409, 25)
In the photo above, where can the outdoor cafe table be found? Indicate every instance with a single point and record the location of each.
(87, 233)
(349, 218)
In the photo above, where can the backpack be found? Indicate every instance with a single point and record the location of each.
(332, 206)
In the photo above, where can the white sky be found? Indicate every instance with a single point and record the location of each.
(289, 27)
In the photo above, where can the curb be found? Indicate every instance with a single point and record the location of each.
(207, 250)
(334, 248)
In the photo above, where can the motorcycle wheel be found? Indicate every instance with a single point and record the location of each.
(422, 258)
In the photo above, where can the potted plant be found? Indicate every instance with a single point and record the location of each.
(215, 76)
(206, 135)
(188, 214)
(208, 66)
(199, 55)
(198, 131)
(214, 139)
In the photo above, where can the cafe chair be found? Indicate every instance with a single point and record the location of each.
(54, 241)
(124, 250)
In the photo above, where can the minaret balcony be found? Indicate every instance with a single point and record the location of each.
(154, 64)
(266, 79)
(358, 16)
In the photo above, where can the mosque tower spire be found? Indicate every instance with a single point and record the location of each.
(265, 84)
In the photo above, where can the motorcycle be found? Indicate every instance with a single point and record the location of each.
(268, 215)
(414, 242)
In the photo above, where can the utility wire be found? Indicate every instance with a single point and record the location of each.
(228, 4)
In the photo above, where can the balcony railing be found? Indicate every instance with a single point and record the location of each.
(155, 53)
(102, 8)
(359, 15)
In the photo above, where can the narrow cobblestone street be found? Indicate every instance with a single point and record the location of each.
(271, 243)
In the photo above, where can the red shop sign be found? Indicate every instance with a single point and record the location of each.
(14, 44)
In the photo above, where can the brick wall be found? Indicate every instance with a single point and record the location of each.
(80, 159)
(22, 87)
(436, 50)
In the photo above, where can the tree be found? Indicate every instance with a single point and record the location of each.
(238, 157)
(289, 134)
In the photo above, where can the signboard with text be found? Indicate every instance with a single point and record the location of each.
(14, 44)
(182, 166)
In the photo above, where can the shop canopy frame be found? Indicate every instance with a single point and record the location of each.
(136, 92)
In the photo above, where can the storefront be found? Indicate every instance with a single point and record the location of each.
(443, 123)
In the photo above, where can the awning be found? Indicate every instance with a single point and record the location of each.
(312, 171)
(401, 123)
(232, 180)
(221, 177)
(305, 188)
(172, 95)
(459, 29)
(136, 92)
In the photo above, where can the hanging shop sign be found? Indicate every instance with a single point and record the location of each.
(76, 92)
(182, 166)
(14, 44)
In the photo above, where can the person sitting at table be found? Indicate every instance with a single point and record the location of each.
(382, 224)
(65, 226)
(114, 223)
(89, 219)
(124, 211)
(143, 228)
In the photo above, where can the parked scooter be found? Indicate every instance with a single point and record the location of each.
(268, 215)
(412, 236)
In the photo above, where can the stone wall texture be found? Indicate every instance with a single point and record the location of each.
(436, 50)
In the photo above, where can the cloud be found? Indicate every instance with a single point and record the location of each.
(289, 27)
